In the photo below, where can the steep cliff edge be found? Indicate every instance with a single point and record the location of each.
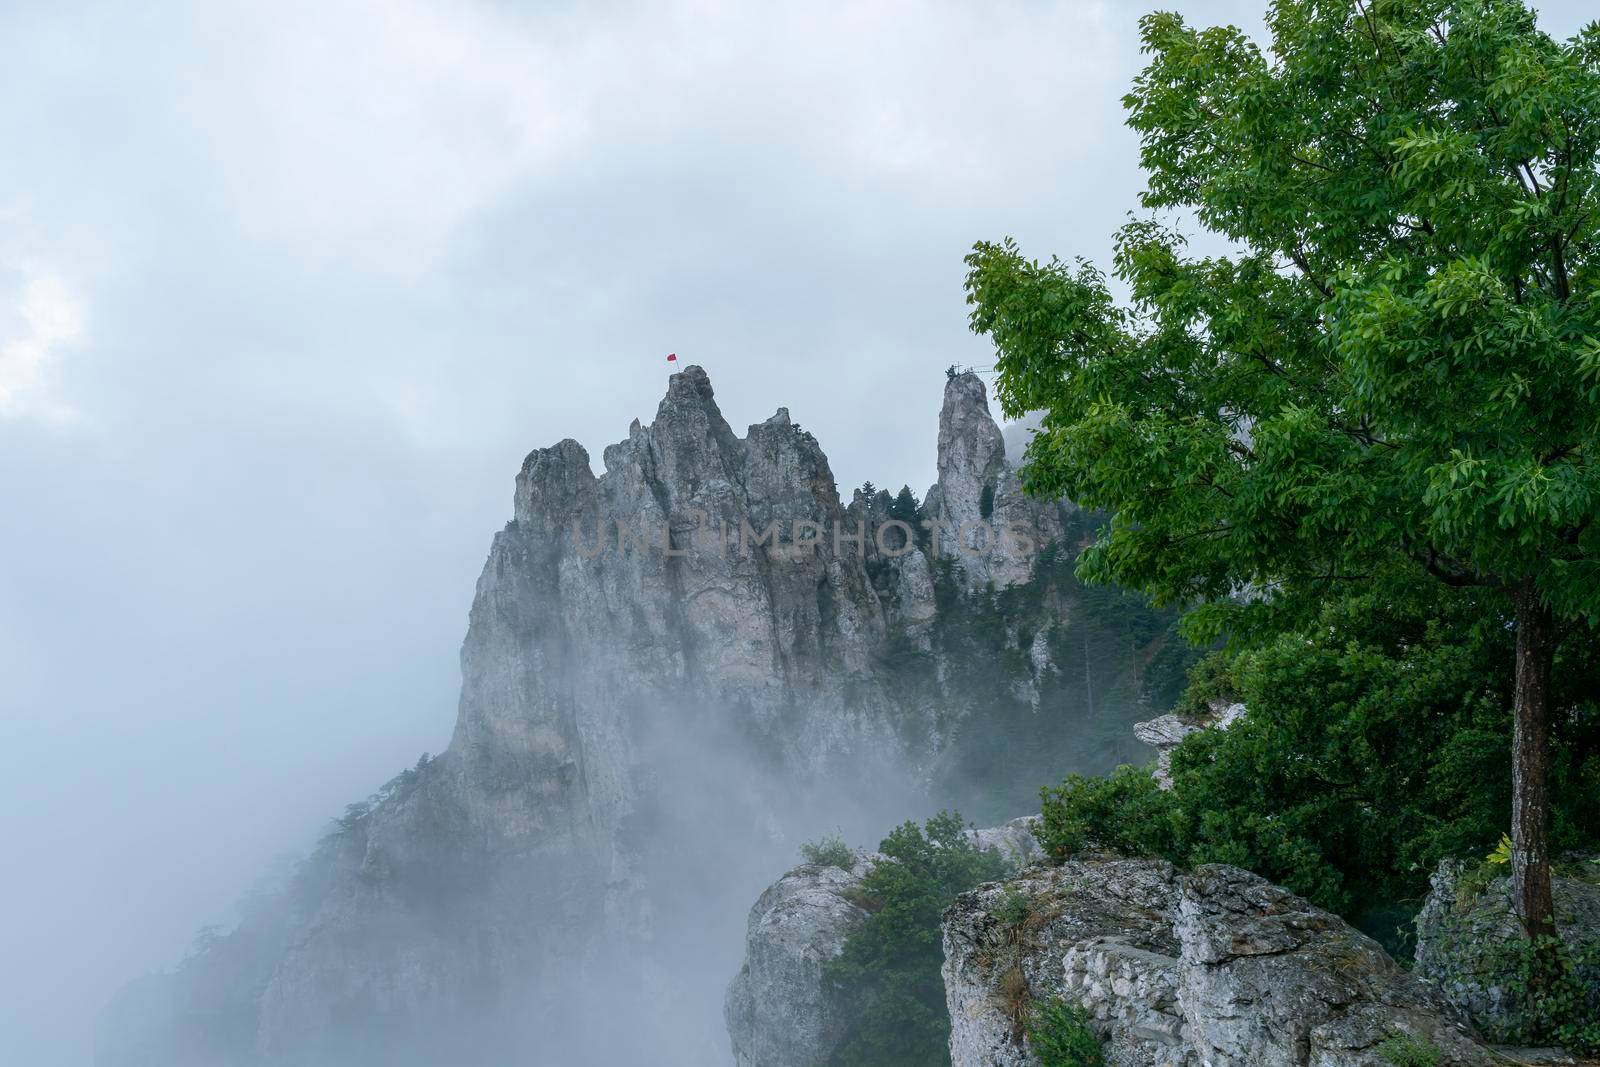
(673, 671)
(779, 1010)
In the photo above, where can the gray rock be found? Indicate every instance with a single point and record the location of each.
(1465, 921)
(778, 1010)
(977, 496)
(1165, 732)
(1270, 978)
(1095, 931)
(979, 489)
(1216, 966)
(1014, 840)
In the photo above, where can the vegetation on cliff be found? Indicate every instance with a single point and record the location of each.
(1041, 674)
(891, 965)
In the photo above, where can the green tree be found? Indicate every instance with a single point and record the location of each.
(1392, 374)
(906, 508)
(891, 965)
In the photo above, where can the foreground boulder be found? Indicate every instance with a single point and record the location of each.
(1216, 966)
(1468, 917)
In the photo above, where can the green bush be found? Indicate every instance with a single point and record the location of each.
(829, 851)
(890, 966)
(1125, 811)
(1059, 1035)
(1377, 743)
(1014, 908)
(1403, 1050)
(1560, 999)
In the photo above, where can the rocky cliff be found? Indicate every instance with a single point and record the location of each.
(673, 669)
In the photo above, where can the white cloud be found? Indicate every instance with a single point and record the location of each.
(365, 132)
(43, 318)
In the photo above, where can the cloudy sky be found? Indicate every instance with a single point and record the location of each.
(288, 289)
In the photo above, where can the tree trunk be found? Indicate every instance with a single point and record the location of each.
(1530, 764)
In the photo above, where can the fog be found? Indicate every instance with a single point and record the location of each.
(287, 291)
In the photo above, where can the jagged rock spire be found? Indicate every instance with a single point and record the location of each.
(978, 494)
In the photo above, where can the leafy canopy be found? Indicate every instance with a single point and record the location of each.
(1398, 359)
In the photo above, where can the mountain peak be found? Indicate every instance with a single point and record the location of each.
(690, 385)
(969, 439)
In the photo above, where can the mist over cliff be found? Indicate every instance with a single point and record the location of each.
(675, 671)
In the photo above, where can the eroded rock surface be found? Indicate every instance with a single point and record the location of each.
(979, 493)
(1095, 931)
(1216, 966)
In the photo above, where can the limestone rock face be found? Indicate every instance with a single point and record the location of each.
(1216, 966)
(979, 495)
(737, 611)
(1094, 931)
(1463, 921)
(979, 517)
(1262, 968)
(777, 1009)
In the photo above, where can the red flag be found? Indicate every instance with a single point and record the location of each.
(673, 358)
